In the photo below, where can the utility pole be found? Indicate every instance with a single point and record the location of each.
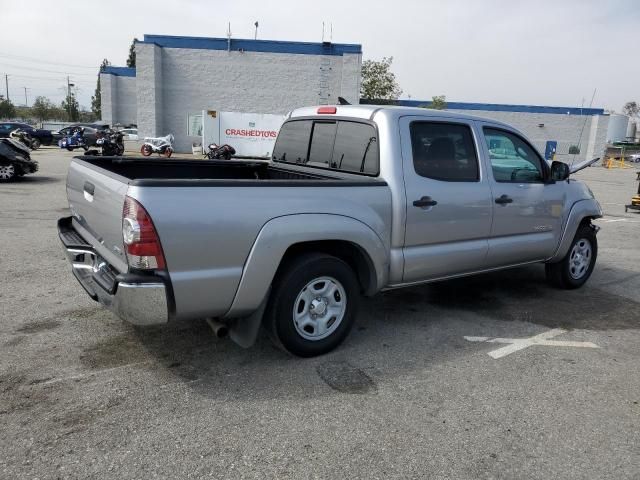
(26, 100)
(69, 85)
(6, 82)
(256, 34)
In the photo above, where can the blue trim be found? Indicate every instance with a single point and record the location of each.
(119, 71)
(495, 107)
(264, 46)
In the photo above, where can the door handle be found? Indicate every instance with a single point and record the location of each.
(89, 190)
(424, 202)
(504, 199)
(89, 187)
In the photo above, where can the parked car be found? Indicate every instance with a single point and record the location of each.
(15, 160)
(356, 199)
(40, 136)
(89, 134)
(130, 133)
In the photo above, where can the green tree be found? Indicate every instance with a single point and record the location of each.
(7, 110)
(378, 81)
(42, 108)
(631, 108)
(71, 107)
(96, 99)
(131, 61)
(439, 102)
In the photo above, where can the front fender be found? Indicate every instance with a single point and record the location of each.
(277, 235)
(587, 208)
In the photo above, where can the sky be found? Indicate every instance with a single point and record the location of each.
(543, 52)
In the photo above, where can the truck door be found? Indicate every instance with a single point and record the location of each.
(527, 209)
(448, 200)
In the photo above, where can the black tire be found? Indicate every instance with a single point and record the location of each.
(291, 282)
(8, 172)
(564, 274)
(35, 144)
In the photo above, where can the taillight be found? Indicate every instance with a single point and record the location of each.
(141, 240)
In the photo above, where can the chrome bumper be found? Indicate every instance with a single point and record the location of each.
(137, 299)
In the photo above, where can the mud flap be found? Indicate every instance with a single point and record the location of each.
(244, 331)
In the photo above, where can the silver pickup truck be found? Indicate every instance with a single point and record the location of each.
(356, 199)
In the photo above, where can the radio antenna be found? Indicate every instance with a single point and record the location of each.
(582, 129)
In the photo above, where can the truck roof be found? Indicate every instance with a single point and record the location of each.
(368, 111)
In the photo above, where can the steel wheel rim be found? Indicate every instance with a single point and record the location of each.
(580, 259)
(7, 172)
(319, 308)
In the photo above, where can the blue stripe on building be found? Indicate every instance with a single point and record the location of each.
(495, 107)
(264, 46)
(119, 71)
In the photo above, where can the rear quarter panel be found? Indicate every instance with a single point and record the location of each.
(207, 232)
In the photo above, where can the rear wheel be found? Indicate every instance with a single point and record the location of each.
(7, 172)
(168, 151)
(35, 144)
(313, 305)
(576, 267)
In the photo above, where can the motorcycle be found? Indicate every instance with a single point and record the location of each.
(159, 145)
(73, 141)
(111, 142)
(24, 138)
(220, 152)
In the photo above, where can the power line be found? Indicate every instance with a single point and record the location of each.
(23, 58)
(47, 71)
(44, 78)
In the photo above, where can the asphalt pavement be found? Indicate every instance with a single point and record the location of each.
(416, 391)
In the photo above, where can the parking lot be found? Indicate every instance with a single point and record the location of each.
(428, 385)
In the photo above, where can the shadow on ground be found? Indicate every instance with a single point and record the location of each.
(406, 328)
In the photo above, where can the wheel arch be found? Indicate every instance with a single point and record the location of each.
(284, 238)
(582, 213)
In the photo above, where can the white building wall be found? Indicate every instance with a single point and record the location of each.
(565, 129)
(126, 106)
(193, 80)
(107, 92)
(150, 90)
(118, 99)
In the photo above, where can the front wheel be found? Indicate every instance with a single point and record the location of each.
(168, 152)
(313, 305)
(146, 150)
(35, 144)
(576, 267)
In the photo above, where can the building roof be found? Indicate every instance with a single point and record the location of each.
(248, 45)
(494, 107)
(119, 71)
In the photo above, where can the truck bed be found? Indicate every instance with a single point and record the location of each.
(189, 172)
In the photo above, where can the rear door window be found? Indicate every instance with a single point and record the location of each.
(444, 151)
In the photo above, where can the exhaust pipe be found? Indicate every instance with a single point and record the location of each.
(220, 330)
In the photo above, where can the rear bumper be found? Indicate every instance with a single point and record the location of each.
(137, 299)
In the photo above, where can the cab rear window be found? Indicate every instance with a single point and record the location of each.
(343, 145)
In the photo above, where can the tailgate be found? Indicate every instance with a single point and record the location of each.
(96, 197)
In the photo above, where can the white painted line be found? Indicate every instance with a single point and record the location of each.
(516, 344)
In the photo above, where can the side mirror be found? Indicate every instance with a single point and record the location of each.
(559, 171)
